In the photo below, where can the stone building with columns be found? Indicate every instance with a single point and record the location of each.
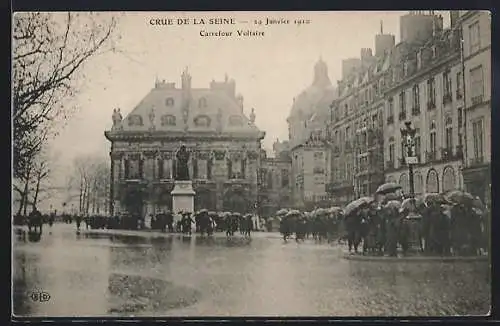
(224, 146)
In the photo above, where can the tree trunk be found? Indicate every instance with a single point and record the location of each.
(24, 199)
(37, 189)
(80, 208)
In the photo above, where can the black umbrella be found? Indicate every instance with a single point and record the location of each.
(357, 204)
(388, 188)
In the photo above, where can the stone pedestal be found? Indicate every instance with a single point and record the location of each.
(183, 196)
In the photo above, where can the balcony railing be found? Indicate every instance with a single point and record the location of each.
(430, 156)
(476, 160)
(415, 111)
(477, 99)
(447, 153)
(402, 115)
(390, 120)
(431, 105)
(447, 98)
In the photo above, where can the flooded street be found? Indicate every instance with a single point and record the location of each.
(102, 275)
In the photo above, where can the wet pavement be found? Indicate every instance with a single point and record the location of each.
(117, 275)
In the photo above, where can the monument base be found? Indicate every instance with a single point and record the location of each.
(183, 196)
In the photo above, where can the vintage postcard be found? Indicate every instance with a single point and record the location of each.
(276, 164)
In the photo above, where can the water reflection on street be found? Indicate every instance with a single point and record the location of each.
(102, 275)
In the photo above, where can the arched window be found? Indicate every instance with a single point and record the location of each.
(419, 183)
(432, 181)
(448, 179)
(235, 120)
(135, 120)
(202, 102)
(202, 121)
(168, 120)
(169, 101)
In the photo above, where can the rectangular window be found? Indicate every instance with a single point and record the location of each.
(449, 138)
(392, 152)
(474, 37)
(167, 169)
(416, 98)
(431, 93)
(202, 172)
(433, 143)
(402, 101)
(476, 84)
(459, 85)
(477, 134)
(447, 83)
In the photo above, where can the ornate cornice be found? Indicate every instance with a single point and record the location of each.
(175, 136)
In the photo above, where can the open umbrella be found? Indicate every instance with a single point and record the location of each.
(393, 204)
(357, 204)
(282, 212)
(409, 204)
(459, 197)
(293, 212)
(387, 188)
(434, 197)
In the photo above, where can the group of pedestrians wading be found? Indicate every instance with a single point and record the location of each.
(452, 223)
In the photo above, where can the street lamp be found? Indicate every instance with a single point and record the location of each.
(408, 134)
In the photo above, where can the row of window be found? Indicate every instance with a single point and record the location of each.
(202, 102)
(200, 169)
(171, 120)
(268, 178)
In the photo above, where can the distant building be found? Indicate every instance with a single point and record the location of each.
(476, 31)
(275, 178)
(355, 132)
(224, 143)
(307, 144)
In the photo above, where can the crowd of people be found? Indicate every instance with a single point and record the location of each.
(454, 223)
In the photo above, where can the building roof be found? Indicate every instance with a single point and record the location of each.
(190, 110)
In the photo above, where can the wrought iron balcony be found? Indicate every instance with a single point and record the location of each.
(447, 98)
(477, 99)
(431, 105)
(402, 115)
(390, 119)
(459, 152)
(415, 111)
(446, 154)
(430, 156)
(476, 161)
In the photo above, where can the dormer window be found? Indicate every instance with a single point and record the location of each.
(235, 120)
(419, 59)
(202, 102)
(434, 52)
(135, 120)
(168, 120)
(202, 121)
(169, 101)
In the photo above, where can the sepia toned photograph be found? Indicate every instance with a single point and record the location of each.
(251, 164)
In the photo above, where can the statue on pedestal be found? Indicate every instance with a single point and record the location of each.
(117, 118)
(182, 171)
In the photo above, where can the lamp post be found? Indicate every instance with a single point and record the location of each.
(408, 134)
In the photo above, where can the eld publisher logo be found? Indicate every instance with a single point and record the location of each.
(40, 296)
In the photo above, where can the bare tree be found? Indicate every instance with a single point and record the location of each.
(49, 51)
(92, 173)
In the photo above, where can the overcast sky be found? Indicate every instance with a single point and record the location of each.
(269, 71)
